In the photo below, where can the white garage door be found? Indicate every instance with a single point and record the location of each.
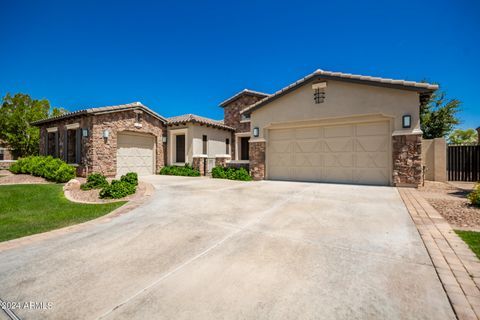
(135, 153)
(353, 153)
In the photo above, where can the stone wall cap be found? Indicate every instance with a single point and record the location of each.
(257, 140)
(223, 156)
(200, 156)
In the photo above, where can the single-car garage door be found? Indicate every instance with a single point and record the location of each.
(350, 153)
(135, 153)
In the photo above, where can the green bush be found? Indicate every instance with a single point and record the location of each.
(47, 167)
(117, 189)
(131, 178)
(186, 170)
(95, 181)
(126, 186)
(231, 173)
(474, 196)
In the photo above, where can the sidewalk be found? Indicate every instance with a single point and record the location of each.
(457, 266)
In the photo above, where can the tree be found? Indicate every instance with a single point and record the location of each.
(459, 136)
(16, 114)
(439, 116)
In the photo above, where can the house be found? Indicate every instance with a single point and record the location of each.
(327, 127)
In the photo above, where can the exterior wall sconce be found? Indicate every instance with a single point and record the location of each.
(84, 133)
(164, 139)
(256, 132)
(407, 121)
(319, 92)
(106, 134)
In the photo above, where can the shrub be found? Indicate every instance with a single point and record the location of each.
(126, 186)
(131, 178)
(231, 173)
(47, 167)
(95, 181)
(117, 189)
(474, 196)
(186, 170)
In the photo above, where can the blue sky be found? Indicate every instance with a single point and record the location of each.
(187, 56)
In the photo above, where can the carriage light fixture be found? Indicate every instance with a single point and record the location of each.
(106, 134)
(256, 132)
(407, 121)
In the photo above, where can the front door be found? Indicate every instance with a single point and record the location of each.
(180, 148)
(244, 148)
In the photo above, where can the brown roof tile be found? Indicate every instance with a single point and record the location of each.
(192, 118)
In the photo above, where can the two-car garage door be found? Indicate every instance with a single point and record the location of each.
(350, 153)
(135, 153)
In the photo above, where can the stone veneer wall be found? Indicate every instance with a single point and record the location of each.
(103, 152)
(198, 163)
(232, 117)
(7, 153)
(99, 154)
(85, 122)
(221, 161)
(407, 160)
(257, 160)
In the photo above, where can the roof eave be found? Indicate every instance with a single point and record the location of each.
(241, 93)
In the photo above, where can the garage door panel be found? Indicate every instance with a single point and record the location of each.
(372, 144)
(338, 144)
(338, 131)
(353, 153)
(308, 160)
(135, 153)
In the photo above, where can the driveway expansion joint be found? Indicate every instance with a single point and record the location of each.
(457, 267)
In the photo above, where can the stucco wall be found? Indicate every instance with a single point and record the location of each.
(434, 158)
(215, 143)
(341, 100)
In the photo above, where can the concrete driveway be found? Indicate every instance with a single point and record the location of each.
(215, 249)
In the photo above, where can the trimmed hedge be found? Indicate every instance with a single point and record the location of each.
(126, 186)
(231, 173)
(52, 169)
(186, 170)
(474, 196)
(95, 181)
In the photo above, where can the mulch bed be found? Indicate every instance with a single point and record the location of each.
(74, 193)
(9, 178)
(452, 203)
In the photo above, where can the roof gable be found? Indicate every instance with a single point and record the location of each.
(241, 94)
(192, 118)
(421, 87)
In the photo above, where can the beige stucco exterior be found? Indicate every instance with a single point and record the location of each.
(342, 99)
(434, 158)
(216, 143)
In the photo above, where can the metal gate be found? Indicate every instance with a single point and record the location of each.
(463, 163)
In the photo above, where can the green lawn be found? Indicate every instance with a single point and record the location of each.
(472, 238)
(30, 209)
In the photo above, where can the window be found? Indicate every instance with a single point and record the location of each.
(2, 154)
(204, 147)
(245, 117)
(227, 146)
(138, 117)
(72, 145)
(52, 144)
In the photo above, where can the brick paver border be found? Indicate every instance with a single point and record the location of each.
(457, 266)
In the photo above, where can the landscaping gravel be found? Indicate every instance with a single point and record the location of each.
(452, 203)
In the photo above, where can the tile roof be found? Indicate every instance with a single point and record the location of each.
(244, 91)
(118, 108)
(421, 87)
(186, 118)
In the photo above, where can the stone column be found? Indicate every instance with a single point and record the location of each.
(198, 163)
(407, 160)
(221, 160)
(257, 159)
